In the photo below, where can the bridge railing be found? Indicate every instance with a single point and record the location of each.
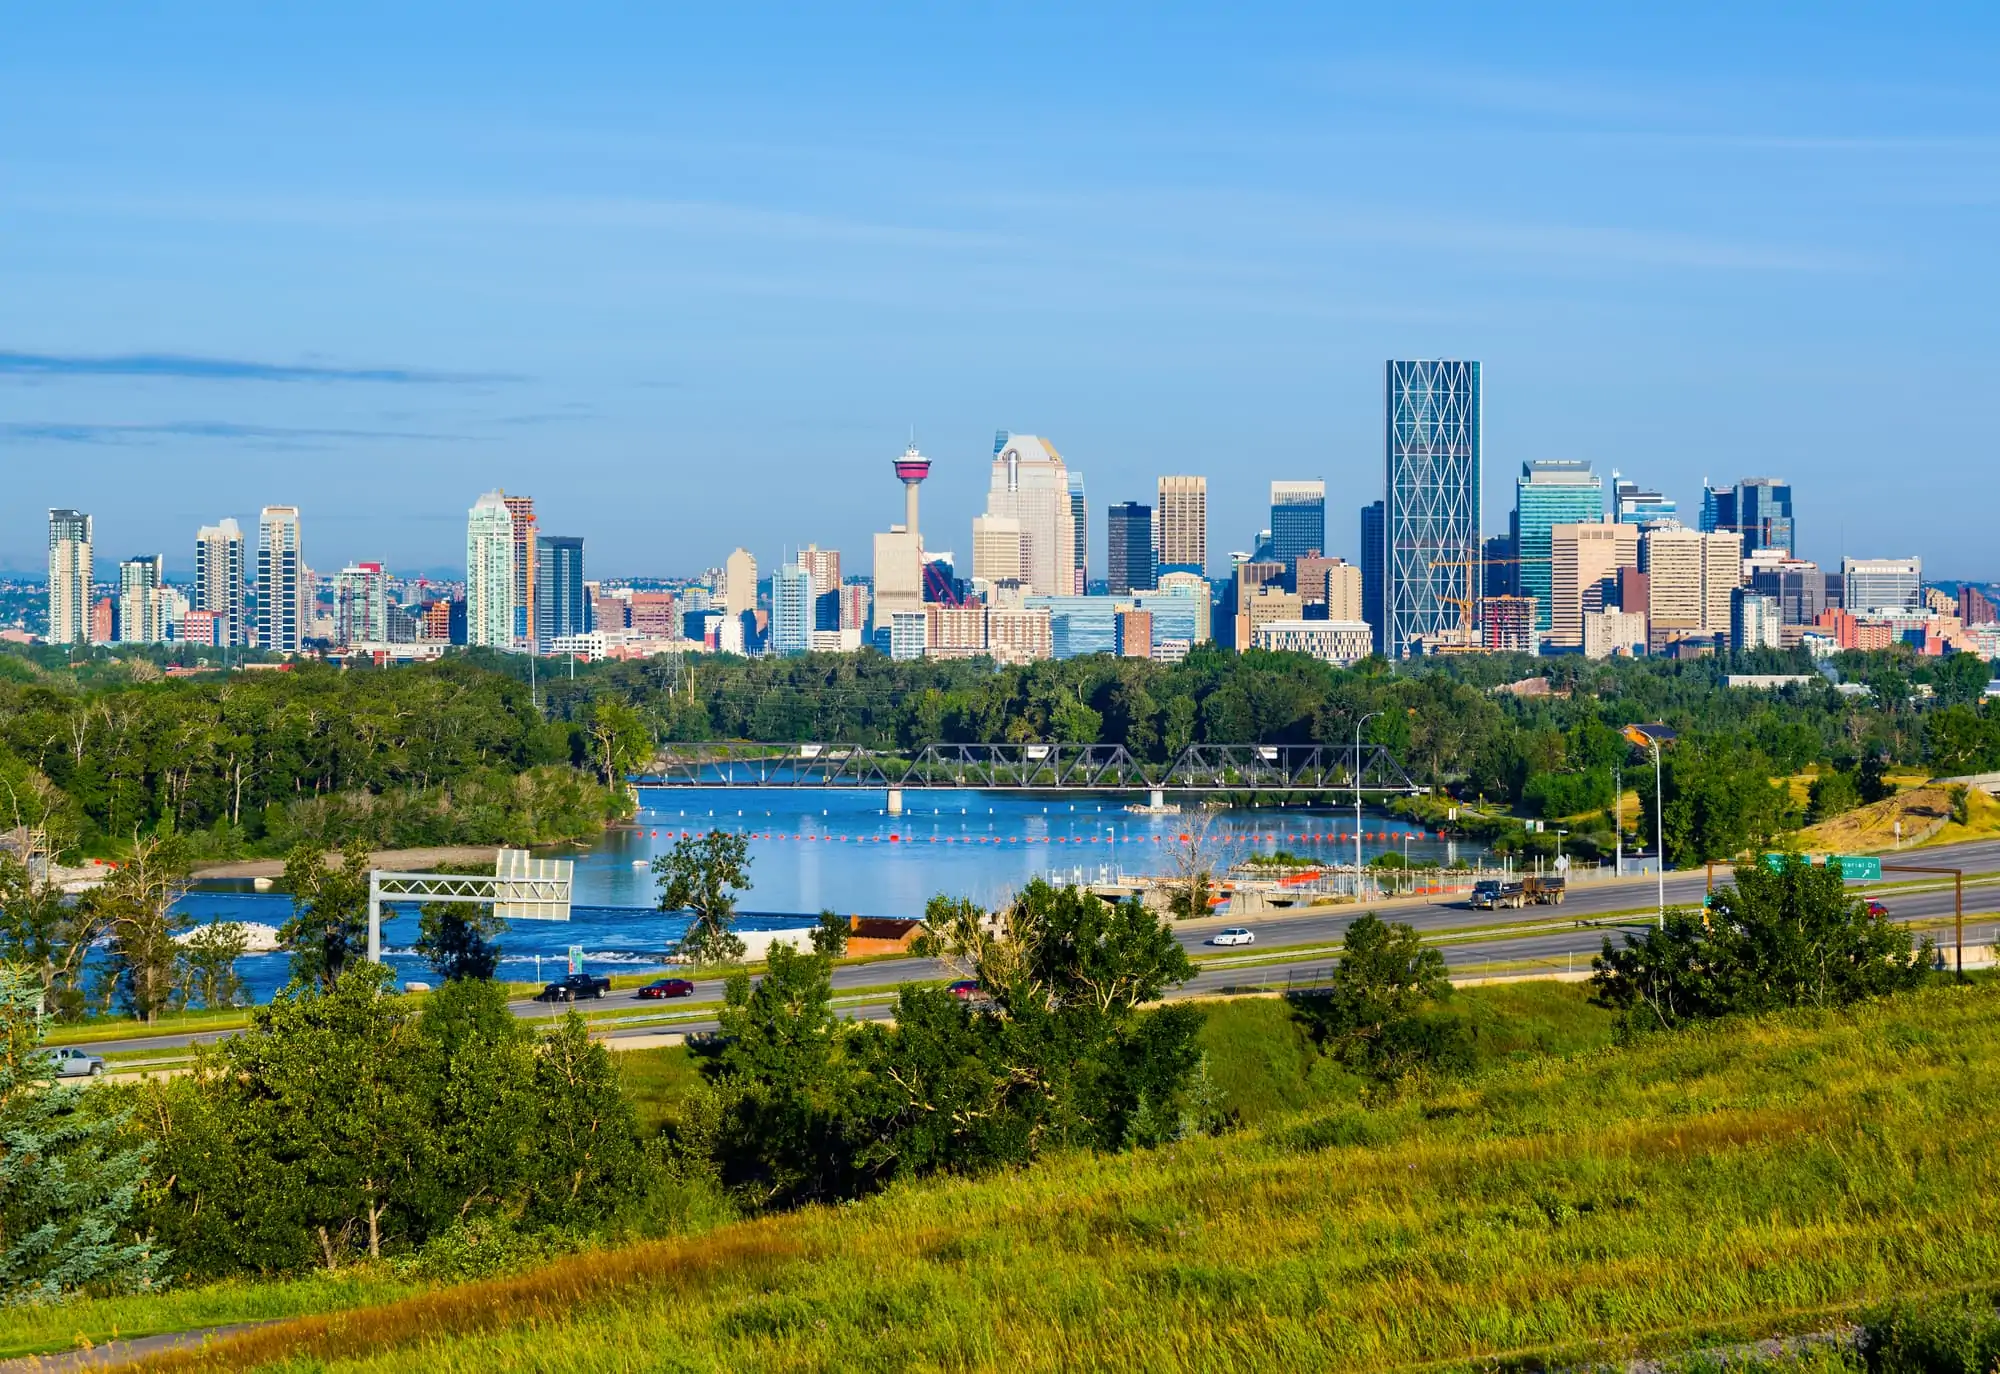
(1325, 768)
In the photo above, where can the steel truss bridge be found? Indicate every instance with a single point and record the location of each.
(1329, 768)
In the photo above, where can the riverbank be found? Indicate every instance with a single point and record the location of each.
(392, 860)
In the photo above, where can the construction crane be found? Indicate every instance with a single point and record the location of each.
(1468, 622)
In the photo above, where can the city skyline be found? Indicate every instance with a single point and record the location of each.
(650, 272)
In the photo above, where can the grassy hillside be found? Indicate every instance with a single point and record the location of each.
(1739, 1180)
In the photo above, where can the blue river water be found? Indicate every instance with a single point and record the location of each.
(817, 849)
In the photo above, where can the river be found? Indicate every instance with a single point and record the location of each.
(819, 849)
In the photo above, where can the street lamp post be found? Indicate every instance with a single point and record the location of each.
(1659, 834)
(1357, 800)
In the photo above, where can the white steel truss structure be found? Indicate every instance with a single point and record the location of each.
(1431, 522)
(522, 888)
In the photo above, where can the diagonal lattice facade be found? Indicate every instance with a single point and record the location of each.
(1431, 517)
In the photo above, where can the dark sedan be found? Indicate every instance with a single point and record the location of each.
(667, 987)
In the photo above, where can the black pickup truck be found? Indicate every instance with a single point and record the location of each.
(574, 986)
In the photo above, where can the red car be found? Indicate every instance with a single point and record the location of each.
(965, 989)
(667, 987)
(1876, 909)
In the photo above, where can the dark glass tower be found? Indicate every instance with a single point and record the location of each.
(1374, 567)
(562, 606)
(1128, 536)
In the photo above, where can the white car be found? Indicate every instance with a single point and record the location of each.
(1233, 935)
(75, 1063)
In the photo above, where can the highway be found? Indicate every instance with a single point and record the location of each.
(1557, 938)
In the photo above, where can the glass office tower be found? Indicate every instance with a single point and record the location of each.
(1298, 521)
(1128, 537)
(1431, 515)
(1548, 494)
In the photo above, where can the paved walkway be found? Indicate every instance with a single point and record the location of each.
(118, 1352)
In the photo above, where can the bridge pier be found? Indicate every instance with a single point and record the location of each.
(895, 801)
(1157, 798)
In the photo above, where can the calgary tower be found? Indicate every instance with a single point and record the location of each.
(911, 469)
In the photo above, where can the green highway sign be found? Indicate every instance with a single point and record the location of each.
(1856, 868)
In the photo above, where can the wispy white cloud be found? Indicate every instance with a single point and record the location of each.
(189, 368)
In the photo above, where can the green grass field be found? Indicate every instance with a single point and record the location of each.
(1573, 1201)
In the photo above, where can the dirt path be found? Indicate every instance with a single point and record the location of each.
(398, 860)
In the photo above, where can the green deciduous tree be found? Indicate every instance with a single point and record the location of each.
(348, 1123)
(1785, 937)
(621, 738)
(702, 875)
(69, 1181)
(456, 938)
(1374, 1017)
(208, 966)
(45, 932)
(329, 926)
(135, 907)
(786, 1084)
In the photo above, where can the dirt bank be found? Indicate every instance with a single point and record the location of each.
(398, 860)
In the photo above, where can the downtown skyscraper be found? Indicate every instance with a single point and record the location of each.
(1550, 493)
(1431, 513)
(1298, 521)
(1181, 516)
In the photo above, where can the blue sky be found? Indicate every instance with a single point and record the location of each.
(691, 278)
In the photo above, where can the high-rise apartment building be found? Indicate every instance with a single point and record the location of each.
(218, 579)
(1031, 484)
(283, 593)
(1585, 560)
(1690, 577)
(1079, 522)
(1128, 540)
(562, 607)
(1759, 509)
(1975, 607)
(1755, 621)
(1881, 584)
(1298, 520)
(823, 567)
(490, 582)
(1182, 517)
(141, 606)
(1431, 519)
(1550, 493)
(791, 610)
(1374, 567)
(522, 508)
(69, 577)
(361, 604)
(1201, 600)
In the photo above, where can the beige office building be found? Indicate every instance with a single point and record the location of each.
(1181, 518)
(1334, 581)
(1582, 558)
(1196, 586)
(999, 554)
(1030, 484)
(1690, 577)
(899, 576)
(739, 576)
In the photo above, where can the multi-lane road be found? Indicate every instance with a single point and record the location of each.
(1551, 938)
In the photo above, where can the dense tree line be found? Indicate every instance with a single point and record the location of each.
(257, 761)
